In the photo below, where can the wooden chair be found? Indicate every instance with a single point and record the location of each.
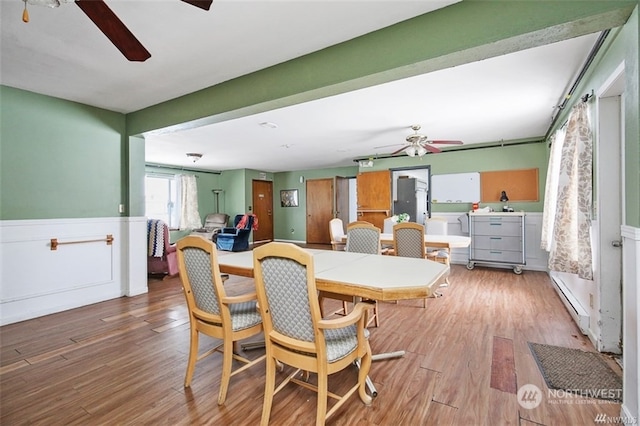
(336, 232)
(363, 237)
(438, 225)
(408, 241)
(212, 312)
(295, 333)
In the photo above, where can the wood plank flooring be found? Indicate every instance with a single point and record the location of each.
(123, 362)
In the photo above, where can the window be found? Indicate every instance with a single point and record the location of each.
(162, 200)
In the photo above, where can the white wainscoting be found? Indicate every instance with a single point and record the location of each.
(37, 281)
(537, 259)
(631, 323)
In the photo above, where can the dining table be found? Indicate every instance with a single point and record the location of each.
(363, 276)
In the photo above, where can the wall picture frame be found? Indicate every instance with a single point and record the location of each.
(289, 198)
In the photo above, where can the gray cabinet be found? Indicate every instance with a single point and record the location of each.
(497, 238)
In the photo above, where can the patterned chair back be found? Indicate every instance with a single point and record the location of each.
(363, 238)
(199, 278)
(286, 288)
(408, 239)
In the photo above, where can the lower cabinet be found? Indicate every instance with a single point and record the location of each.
(497, 238)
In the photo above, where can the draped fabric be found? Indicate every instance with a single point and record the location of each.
(570, 247)
(189, 215)
(551, 190)
(155, 237)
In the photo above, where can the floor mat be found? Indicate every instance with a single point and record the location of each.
(577, 371)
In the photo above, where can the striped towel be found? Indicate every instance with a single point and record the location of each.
(155, 237)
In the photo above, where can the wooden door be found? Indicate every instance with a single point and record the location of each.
(263, 209)
(342, 199)
(374, 196)
(319, 210)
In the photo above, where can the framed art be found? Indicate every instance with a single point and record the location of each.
(289, 198)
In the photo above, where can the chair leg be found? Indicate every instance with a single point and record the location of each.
(375, 313)
(321, 411)
(363, 374)
(193, 356)
(269, 387)
(227, 358)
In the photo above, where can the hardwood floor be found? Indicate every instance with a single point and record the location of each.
(123, 362)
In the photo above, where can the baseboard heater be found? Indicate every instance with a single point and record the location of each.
(577, 312)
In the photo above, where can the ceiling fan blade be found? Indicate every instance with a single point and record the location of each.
(202, 4)
(107, 21)
(398, 151)
(447, 142)
(431, 148)
(387, 146)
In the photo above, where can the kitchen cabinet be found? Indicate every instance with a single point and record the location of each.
(374, 196)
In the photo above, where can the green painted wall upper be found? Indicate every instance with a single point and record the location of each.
(288, 218)
(464, 32)
(621, 47)
(59, 159)
(509, 157)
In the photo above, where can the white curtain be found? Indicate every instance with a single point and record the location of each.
(551, 189)
(570, 244)
(189, 215)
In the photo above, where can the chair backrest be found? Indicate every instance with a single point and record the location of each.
(437, 226)
(287, 295)
(363, 238)
(387, 225)
(200, 275)
(247, 225)
(408, 240)
(216, 220)
(336, 232)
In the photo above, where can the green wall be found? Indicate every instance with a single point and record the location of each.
(59, 159)
(508, 157)
(288, 218)
(620, 47)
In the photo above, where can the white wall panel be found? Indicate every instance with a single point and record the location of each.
(36, 280)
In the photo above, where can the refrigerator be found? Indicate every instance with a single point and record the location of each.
(411, 198)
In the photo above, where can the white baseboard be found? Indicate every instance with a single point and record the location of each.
(575, 309)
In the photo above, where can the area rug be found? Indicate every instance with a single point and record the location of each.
(577, 371)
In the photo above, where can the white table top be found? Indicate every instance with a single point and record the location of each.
(371, 276)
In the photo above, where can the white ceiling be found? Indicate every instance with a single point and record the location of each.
(60, 53)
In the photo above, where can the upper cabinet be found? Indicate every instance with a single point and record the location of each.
(374, 196)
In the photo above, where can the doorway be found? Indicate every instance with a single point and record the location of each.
(411, 192)
(609, 212)
(319, 207)
(262, 194)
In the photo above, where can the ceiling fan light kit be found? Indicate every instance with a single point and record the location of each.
(194, 156)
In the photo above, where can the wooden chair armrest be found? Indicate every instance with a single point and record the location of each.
(353, 317)
(247, 297)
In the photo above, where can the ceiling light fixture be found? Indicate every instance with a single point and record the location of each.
(269, 125)
(194, 156)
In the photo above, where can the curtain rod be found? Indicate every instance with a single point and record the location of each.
(592, 54)
(162, 166)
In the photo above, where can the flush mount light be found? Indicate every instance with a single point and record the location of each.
(194, 156)
(268, 125)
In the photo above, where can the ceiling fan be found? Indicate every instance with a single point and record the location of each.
(109, 23)
(417, 144)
